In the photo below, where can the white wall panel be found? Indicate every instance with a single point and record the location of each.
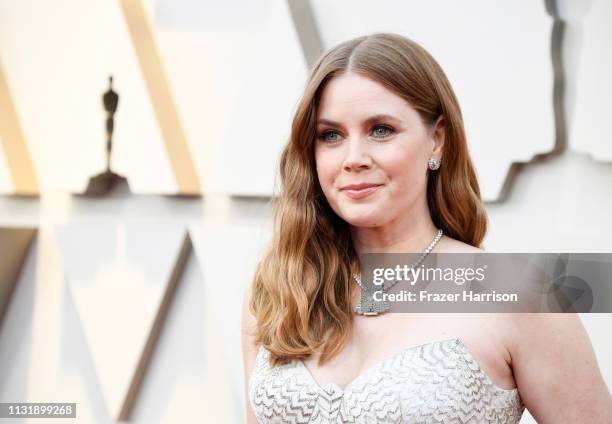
(6, 181)
(237, 71)
(118, 283)
(228, 256)
(179, 389)
(589, 128)
(556, 206)
(57, 57)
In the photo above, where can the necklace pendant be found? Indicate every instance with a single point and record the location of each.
(370, 307)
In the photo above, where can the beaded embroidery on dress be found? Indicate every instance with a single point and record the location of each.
(436, 382)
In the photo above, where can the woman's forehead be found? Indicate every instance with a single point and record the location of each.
(359, 97)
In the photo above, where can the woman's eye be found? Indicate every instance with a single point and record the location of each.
(382, 131)
(330, 136)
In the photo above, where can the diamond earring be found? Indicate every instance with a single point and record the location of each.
(433, 163)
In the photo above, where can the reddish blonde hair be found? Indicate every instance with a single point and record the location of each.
(302, 287)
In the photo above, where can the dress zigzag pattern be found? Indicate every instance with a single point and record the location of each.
(436, 382)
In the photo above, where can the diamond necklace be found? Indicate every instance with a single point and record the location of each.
(372, 307)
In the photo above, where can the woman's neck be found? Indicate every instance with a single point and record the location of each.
(410, 235)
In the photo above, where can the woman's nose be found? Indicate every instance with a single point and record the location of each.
(357, 155)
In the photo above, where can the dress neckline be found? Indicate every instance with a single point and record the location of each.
(458, 342)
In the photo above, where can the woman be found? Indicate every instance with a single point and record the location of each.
(378, 162)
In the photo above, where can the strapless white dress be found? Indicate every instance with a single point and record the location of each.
(436, 382)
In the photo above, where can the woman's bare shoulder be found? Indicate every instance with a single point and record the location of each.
(450, 245)
(554, 364)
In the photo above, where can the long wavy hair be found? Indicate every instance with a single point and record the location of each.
(301, 290)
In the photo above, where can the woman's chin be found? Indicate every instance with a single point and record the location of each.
(363, 220)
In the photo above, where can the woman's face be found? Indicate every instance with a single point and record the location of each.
(371, 151)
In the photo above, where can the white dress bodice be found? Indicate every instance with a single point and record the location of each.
(436, 382)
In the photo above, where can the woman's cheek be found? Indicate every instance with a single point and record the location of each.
(326, 182)
(326, 172)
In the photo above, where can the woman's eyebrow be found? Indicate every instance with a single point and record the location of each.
(370, 120)
(382, 117)
(329, 122)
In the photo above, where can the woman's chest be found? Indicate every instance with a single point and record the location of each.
(433, 382)
(373, 340)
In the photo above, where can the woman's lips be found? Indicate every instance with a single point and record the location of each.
(360, 192)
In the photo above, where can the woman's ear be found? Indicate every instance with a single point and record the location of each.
(438, 135)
